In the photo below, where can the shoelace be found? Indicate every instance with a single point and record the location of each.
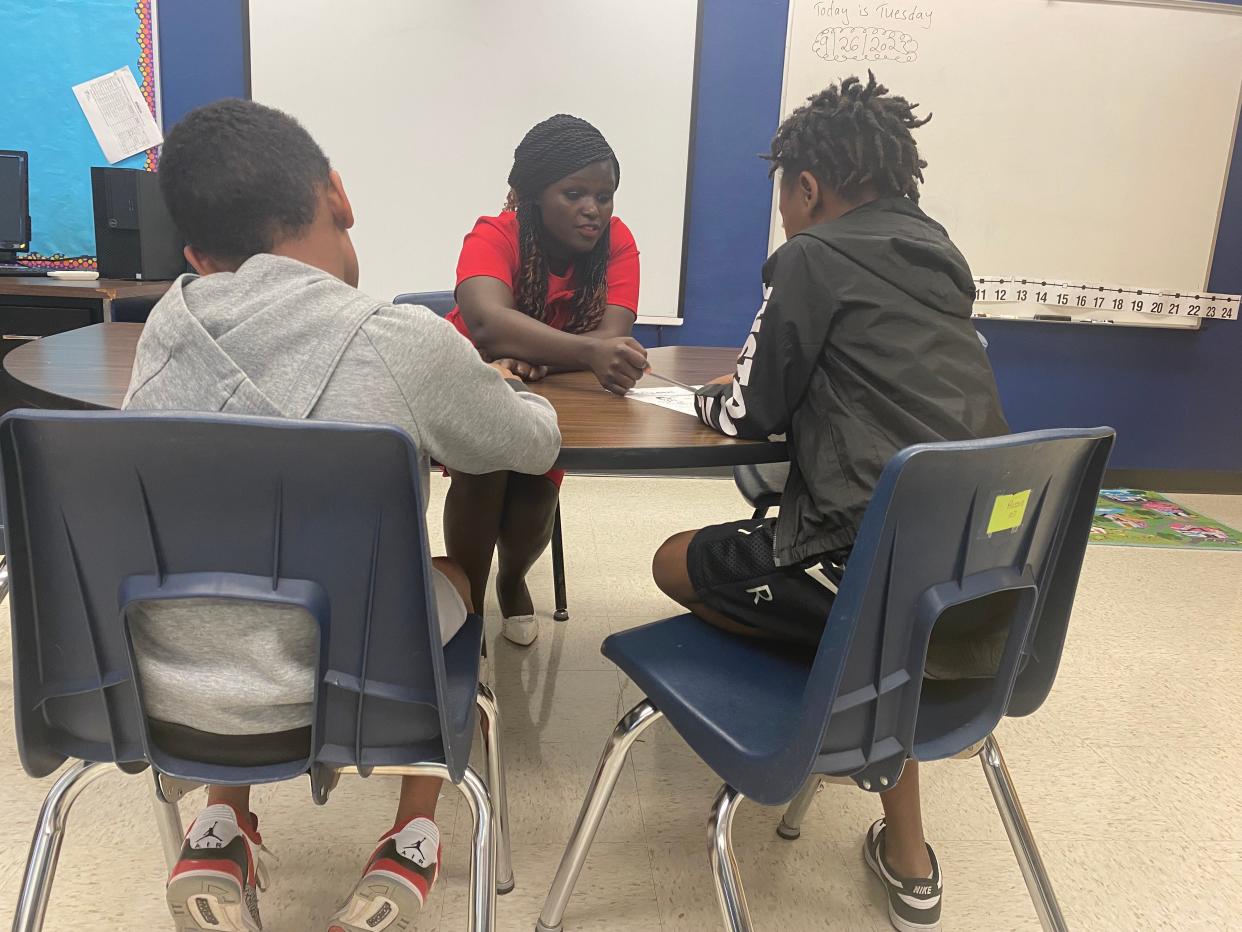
(264, 861)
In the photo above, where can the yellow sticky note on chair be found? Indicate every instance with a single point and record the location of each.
(1008, 511)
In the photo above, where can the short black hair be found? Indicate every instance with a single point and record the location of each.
(852, 135)
(238, 176)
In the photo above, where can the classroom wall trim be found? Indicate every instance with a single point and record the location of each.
(1172, 481)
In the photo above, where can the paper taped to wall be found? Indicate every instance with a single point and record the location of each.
(118, 114)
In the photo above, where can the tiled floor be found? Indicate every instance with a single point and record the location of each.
(1127, 773)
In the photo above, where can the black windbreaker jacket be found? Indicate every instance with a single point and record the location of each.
(863, 346)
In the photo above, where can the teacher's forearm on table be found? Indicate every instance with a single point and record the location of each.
(503, 333)
(617, 322)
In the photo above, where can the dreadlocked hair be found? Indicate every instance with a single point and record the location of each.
(553, 149)
(850, 136)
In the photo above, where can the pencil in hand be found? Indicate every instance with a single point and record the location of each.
(663, 378)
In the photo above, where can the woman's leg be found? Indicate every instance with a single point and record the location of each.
(472, 513)
(525, 530)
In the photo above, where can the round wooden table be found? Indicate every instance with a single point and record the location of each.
(90, 368)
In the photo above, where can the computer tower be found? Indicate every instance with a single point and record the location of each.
(134, 234)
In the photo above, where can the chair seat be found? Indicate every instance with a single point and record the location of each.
(681, 663)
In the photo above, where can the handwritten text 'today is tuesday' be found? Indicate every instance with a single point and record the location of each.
(913, 15)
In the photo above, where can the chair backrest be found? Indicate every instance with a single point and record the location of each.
(957, 535)
(438, 302)
(108, 508)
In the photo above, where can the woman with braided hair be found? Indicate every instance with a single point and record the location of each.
(549, 285)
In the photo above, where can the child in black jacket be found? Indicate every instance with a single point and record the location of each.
(863, 346)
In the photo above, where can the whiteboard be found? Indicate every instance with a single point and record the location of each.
(1072, 141)
(420, 105)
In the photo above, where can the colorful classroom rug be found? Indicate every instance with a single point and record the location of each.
(1133, 518)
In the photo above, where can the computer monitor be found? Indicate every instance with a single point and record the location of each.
(14, 204)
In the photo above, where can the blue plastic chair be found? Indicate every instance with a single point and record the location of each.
(934, 549)
(106, 508)
(441, 303)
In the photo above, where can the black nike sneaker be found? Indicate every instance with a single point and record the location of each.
(215, 886)
(913, 905)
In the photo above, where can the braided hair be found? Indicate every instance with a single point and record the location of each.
(851, 136)
(551, 150)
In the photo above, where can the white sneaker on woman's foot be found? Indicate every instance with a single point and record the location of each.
(520, 629)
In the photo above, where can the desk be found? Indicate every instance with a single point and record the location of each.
(90, 368)
(39, 293)
(36, 306)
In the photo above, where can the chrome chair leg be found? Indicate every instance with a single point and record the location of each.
(481, 907)
(481, 914)
(489, 727)
(172, 832)
(635, 722)
(168, 792)
(729, 892)
(49, 833)
(1020, 837)
(790, 826)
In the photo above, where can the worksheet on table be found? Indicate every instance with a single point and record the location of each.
(673, 398)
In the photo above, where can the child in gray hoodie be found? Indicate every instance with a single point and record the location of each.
(274, 325)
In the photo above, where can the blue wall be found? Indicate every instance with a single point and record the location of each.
(1171, 394)
(203, 50)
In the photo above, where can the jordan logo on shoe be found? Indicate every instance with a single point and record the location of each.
(209, 838)
(417, 855)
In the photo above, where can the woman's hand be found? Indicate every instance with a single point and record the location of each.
(523, 370)
(618, 362)
(722, 380)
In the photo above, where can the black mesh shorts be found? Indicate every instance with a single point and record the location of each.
(733, 571)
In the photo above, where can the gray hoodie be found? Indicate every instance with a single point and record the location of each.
(281, 338)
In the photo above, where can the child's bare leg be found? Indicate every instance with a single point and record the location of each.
(672, 575)
(419, 796)
(905, 849)
(236, 796)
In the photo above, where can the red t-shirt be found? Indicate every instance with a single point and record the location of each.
(491, 249)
